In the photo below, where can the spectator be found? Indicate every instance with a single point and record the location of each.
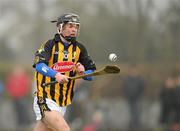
(176, 123)
(170, 103)
(167, 96)
(17, 87)
(133, 88)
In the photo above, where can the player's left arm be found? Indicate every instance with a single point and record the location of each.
(87, 62)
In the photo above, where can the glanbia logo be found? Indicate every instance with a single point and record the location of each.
(64, 66)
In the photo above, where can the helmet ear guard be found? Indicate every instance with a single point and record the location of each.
(59, 28)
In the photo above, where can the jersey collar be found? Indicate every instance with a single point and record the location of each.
(58, 39)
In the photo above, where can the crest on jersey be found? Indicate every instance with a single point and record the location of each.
(65, 54)
(40, 100)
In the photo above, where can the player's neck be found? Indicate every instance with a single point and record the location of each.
(64, 40)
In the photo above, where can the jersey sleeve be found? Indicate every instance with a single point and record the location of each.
(43, 54)
(86, 60)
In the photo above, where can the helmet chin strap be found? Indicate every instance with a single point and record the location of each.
(69, 38)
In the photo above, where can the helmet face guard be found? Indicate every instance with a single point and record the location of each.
(64, 19)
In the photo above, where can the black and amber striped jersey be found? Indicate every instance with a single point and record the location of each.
(54, 51)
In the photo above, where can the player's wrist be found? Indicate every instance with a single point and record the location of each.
(89, 78)
(57, 75)
(61, 78)
(80, 69)
(88, 71)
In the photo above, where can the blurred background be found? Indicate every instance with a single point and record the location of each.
(145, 34)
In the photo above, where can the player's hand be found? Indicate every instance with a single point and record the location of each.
(61, 78)
(80, 68)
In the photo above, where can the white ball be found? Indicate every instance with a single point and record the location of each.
(112, 57)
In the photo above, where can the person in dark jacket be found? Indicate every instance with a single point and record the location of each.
(167, 100)
(133, 88)
(170, 103)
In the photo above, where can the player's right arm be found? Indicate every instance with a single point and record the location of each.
(46, 71)
(42, 57)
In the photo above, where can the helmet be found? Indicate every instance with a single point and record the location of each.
(67, 18)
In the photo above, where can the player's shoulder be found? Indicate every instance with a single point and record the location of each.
(80, 45)
(51, 42)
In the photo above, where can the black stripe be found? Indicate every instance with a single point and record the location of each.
(52, 90)
(55, 59)
(43, 81)
(65, 50)
(73, 50)
(73, 60)
(61, 94)
(70, 74)
(72, 92)
(68, 87)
